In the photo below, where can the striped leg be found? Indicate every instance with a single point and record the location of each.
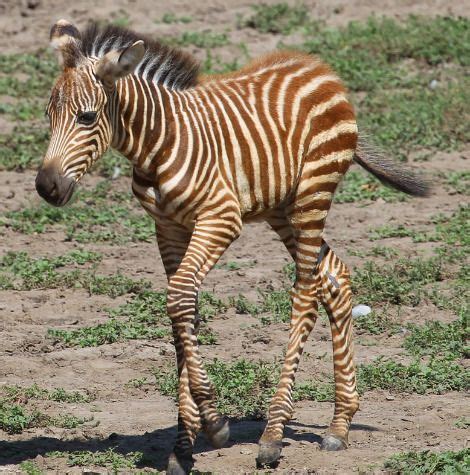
(209, 240)
(173, 241)
(335, 295)
(304, 316)
(336, 298)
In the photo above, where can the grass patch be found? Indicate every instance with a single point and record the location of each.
(400, 283)
(244, 388)
(108, 458)
(201, 39)
(144, 316)
(14, 418)
(439, 339)
(458, 182)
(23, 394)
(19, 271)
(369, 55)
(426, 462)
(28, 467)
(97, 215)
(357, 186)
(435, 377)
(171, 18)
(376, 323)
(279, 18)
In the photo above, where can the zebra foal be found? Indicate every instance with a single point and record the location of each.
(268, 142)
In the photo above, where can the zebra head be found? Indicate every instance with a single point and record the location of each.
(80, 110)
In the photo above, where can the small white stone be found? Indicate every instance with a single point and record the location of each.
(433, 84)
(361, 311)
(116, 173)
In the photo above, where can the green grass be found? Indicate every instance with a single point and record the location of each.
(201, 39)
(426, 462)
(435, 377)
(15, 417)
(279, 18)
(28, 467)
(458, 182)
(23, 394)
(376, 323)
(449, 340)
(19, 271)
(108, 458)
(144, 316)
(403, 282)
(357, 186)
(170, 18)
(370, 55)
(244, 388)
(97, 215)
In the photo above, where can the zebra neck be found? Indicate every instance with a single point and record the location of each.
(140, 118)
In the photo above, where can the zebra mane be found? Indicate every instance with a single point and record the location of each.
(161, 64)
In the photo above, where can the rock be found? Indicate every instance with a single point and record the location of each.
(361, 311)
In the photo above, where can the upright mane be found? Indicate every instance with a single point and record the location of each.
(162, 64)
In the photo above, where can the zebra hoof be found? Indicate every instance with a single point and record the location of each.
(269, 454)
(332, 443)
(218, 433)
(179, 464)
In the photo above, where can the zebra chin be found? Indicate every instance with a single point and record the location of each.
(56, 189)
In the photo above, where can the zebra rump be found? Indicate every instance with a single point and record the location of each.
(388, 171)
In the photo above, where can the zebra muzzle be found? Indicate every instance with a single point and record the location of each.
(53, 187)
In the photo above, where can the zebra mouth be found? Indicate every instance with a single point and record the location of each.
(54, 188)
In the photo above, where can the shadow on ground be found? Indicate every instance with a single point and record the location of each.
(155, 446)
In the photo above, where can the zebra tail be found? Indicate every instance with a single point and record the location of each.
(389, 172)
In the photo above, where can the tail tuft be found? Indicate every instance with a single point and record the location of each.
(389, 172)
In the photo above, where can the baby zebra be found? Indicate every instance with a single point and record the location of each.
(268, 142)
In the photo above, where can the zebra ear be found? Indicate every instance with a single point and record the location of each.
(117, 64)
(64, 38)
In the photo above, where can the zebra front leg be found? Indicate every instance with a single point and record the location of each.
(173, 240)
(336, 297)
(209, 240)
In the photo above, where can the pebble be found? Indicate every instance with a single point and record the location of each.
(361, 311)
(246, 452)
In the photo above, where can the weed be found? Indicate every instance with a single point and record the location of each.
(459, 182)
(277, 302)
(28, 467)
(357, 186)
(170, 18)
(400, 283)
(108, 458)
(21, 272)
(436, 377)
(201, 39)
(426, 462)
(23, 394)
(462, 423)
(206, 337)
(277, 18)
(375, 323)
(243, 306)
(14, 418)
(439, 339)
(209, 305)
(314, 391)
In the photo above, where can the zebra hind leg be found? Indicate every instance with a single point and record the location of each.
(336, 297)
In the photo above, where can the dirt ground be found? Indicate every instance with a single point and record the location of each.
(145, 420)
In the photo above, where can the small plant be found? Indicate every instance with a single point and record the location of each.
(279, 18)
(425, 463)
(439, 339)
(108, 458)
(28, 467)
(201, 39)
(436, 377)
(170, 18)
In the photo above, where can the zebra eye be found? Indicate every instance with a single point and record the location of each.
(86, 118)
